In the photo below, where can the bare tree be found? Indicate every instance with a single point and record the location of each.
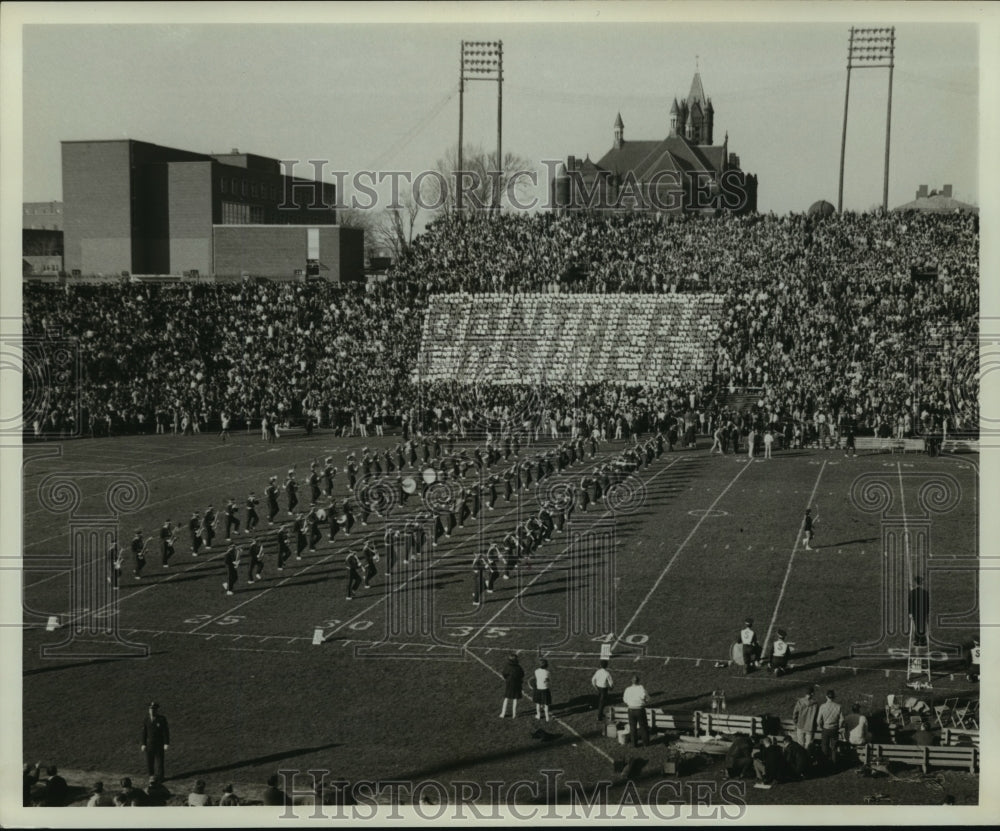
(394, 226)
(367, 221)
(484, 184)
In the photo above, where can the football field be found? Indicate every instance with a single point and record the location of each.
(403, 682)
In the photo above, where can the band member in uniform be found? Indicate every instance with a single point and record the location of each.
(208, 523)
(139, 550)
(232, 520)
(478, 577)
(477, 497)
(116, 559)
(366, 462)
(369, 557)
(232, 560)
(808, 528)
(352, 472)
(390, 466)
(354, 569)
(348, 512)
(493, 559)
(301, 532)
(292, 490)
(439, 530)
(256, 567)
(508, 484)
(314, 489)
(391, 541)
(510, 554)
(333, 518)
(252, 518)
(329, 471)
(492, 483)
(194, 526)
(416, 536)
(312, 522)
(284, 552)
(168, 536)
(272, 500)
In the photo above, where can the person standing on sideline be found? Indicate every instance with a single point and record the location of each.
(155, 740)
(804, 716)
(224, 432)
(635, 698)
(807, 524)
(543, 689)
(602, 682)
(751, 441)
(232, 559)
(768, 441)
(919, 603)
(830, 719)
(748, 642)
(513, 675)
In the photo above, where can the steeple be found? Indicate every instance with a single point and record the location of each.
(709, 121)
(619, 132)
(674, 113)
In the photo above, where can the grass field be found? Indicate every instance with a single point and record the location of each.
(406, 683)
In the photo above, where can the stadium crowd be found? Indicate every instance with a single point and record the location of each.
(826, 318)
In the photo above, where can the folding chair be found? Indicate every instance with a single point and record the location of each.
(942, 712)
(959, 714)
(972, 716)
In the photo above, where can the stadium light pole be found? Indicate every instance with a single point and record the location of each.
(481, 60)
(869, 48)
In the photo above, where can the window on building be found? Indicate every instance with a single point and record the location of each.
(222, 185)
(253, 189)
(243, 187)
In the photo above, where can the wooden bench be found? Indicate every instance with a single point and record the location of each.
(875, 444)
(658, 720)
(951, 737)
(966, 756)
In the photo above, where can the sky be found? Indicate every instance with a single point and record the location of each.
(384, 96)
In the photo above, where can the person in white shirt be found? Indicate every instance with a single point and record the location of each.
(748, 641)
(543, 692)
(636, 699)
(602, 682)
(856, 727)
(768, 441)
(779, 654)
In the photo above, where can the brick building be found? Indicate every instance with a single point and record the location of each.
(686, 171)
(131, 206)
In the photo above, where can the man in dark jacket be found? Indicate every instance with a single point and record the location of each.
(797, 761)
(768, 763)
(739, 757)
(155, 740)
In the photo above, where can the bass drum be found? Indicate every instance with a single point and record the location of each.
(737, 651)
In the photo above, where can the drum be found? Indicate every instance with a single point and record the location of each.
(429, 475)
(342, 519)
(321, 513)
(409, 485)
(738, 654)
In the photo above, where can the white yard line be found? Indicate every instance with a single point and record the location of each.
(791, 558)
(680, 548)
(554, 561)
(556, 719)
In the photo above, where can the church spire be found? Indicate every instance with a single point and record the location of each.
(619, 132)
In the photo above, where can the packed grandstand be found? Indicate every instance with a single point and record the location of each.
(870, 318)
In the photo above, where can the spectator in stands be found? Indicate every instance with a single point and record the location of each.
(273, 795)
(55, 793)
(768, 763)
(798, 763)
(925, 737)
(157, 793)
(198, 798)
(99, 798)
(739, 761)
(229, 797)
(130, 796)
(29, 780)
(856, 727)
